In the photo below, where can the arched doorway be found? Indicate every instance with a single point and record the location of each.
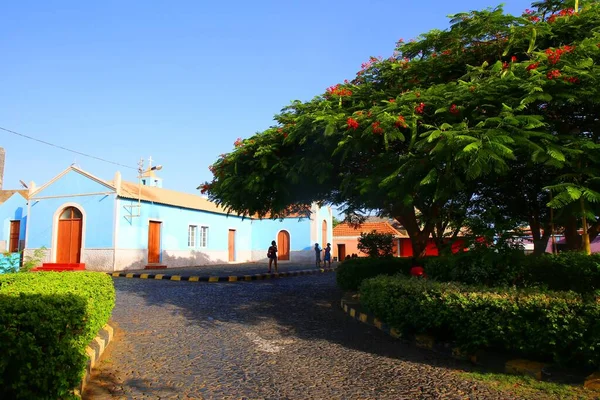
(68, 244)
(283, 246)
(324, 234)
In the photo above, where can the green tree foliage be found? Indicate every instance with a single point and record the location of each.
(497, 104)
(376, 244)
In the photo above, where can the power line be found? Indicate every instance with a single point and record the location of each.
(64, 148)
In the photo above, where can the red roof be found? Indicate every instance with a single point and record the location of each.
(345, 229)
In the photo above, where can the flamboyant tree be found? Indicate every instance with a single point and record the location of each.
(422, 135)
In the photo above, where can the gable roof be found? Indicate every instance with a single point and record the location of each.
(345, 229)
(67, 170)
(7, 194)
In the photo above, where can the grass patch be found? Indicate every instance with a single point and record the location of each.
(530, 388)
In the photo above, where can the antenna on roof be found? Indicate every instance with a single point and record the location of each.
(23, 184)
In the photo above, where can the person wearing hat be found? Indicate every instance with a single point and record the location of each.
(327, 257)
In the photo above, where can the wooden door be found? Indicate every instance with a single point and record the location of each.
(154, 242)
(324, 234)
(341, 252)
(283, 246)
(231, 245)
(68, 245)
(15, 230)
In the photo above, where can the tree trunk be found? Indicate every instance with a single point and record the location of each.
(418, 237)
(572, 237)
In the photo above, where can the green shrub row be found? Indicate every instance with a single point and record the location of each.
(352, 271)
(550, 326)
(47, 319)
(564, 271)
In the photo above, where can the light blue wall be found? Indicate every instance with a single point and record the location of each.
(266, 230)
(98, 210)
(133, 232)
(13, 209)
(323, 213)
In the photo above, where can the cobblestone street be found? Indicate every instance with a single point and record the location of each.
(276, 339)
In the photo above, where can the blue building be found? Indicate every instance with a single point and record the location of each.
(13, 221)
(116, 225)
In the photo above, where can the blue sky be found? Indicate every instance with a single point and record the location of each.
(181, 80)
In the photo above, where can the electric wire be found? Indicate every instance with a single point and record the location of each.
(66, 149)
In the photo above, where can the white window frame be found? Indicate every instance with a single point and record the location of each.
(192, 231)
(203, 236)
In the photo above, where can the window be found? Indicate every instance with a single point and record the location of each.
(192, 233)
(203, 236)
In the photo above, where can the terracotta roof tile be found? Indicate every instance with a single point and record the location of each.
(345, 229)
(130, 190)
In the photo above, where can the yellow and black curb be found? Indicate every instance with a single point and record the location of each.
(537, 370)
(227, 278)
(94, 350)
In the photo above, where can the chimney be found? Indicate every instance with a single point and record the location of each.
(2, 157)
(32, 188)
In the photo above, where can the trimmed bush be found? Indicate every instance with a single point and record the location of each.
(549, 326)
(352, 271)
(564, 271)
(47, 320)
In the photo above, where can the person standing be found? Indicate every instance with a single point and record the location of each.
(272, 255)
(317, 255)
(327, 257)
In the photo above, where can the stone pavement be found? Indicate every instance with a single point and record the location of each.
(227, 269)
(277, 339)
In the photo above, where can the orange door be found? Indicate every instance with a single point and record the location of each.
(15, 228)
(69, 241)
(232, 245)
(324, 234)
(283, 246)
(341, 252)
(154, 242)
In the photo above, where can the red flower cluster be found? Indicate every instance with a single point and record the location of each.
(205, 188)
(352, 123)
(420, 108)
(376, 128)
(534, 18)
(446, 52)
(392, 100)
(238, 143)
(400, 122)
(454, 110)
(513, 59)
(339, 90)
(553, 74)
(554, 55)
(562, 13)
(532, 66)
(504, 65)
(571, 79)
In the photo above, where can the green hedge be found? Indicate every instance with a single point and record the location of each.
(550, 326)
(47, 320)
(352, 271)
(564, 271)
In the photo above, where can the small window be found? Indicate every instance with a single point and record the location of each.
(192, 233)
(203, 236)
(70, 213)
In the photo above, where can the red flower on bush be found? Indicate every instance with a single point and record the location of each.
(392, 100)
(238, 143)
(400, 122)
(352, 123)
(205, 188)
(513, 59)
(553, 74)
(420, 108)
(454, 110)
(338, 90)
(376, 128)
(571, 79)
(534, 18)
(532, 66)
